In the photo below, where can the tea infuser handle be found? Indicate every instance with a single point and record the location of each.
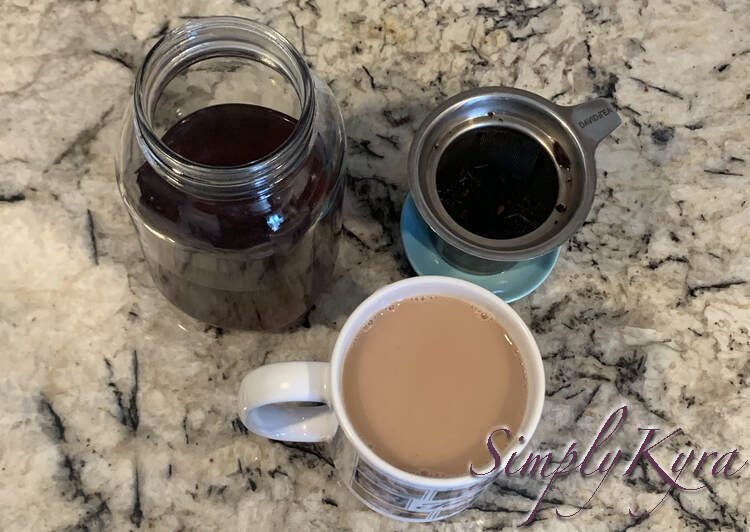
(266, 402)
(593, 120)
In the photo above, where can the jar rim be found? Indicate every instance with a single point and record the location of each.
(191, 43)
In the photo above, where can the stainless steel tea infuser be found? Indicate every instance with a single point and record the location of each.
(569, 134)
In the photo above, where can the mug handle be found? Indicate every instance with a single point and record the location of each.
(265, 394)
(593, 120)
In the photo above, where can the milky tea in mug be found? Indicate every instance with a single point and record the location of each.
(427, 379)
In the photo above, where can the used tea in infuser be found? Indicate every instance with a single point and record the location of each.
(497, 182)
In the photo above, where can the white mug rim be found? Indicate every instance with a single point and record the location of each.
(355, 321)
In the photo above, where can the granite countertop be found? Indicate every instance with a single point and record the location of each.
(119, 413)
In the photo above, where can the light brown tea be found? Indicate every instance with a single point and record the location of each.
(427, 379)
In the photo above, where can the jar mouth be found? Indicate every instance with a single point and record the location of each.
(209, 38)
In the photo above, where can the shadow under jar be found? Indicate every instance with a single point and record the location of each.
(231, 167)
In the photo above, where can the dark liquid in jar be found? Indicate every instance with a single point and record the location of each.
(255, 263)
(497, 182)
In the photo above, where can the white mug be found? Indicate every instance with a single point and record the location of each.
(268, 395)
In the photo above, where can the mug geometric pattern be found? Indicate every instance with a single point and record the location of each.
(395, 498)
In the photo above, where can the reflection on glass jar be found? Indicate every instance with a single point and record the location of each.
(231, 167)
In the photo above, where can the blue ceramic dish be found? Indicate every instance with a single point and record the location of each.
(514, 283)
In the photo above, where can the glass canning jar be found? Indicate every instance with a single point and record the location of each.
(231, 168)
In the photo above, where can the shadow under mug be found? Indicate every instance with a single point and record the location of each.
(270, 395)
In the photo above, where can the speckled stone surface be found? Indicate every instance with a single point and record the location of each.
(119, 413)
